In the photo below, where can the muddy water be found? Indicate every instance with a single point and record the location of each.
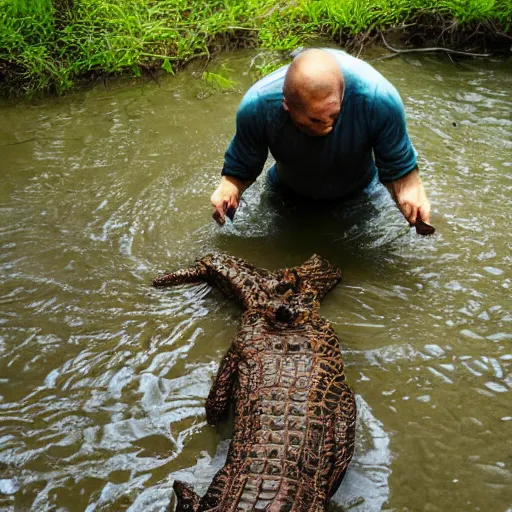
(103, 379)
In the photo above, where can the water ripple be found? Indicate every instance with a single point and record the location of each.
(103, 379)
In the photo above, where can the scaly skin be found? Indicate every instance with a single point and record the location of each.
(294, 414)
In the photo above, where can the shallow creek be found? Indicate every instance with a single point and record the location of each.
(103, 379)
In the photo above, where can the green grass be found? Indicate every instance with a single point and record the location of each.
(49, 45)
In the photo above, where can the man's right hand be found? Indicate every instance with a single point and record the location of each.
(226, 198)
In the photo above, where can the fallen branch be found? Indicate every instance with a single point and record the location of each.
(433, 49)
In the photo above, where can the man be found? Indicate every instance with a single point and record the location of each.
(333, 124)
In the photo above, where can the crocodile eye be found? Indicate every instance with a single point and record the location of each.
(284, 314)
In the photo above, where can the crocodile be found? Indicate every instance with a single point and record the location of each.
(294, 414)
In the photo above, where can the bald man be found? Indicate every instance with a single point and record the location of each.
(333, 125)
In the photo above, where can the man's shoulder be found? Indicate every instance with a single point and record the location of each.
(267, 92)
(361, 78)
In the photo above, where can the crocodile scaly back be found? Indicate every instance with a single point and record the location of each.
(294, 414)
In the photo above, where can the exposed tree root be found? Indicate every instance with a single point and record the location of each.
(432, 32)
(432, 49)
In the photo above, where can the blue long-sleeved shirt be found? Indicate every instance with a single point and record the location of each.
(369, 137)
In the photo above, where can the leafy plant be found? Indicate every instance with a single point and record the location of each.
(48, 45)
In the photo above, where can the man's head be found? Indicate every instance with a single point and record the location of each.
(313, 90)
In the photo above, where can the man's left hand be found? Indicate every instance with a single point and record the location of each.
(410, 197)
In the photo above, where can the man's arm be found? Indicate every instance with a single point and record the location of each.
(226, 198)
(243, 160)
(410, 197)
(395, 156)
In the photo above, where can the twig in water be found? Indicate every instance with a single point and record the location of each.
(384, 57)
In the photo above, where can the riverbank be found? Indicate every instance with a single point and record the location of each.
(50, 46)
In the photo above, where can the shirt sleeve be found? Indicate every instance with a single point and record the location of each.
(248, 150)
(395, 155)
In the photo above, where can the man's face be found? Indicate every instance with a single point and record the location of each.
(317, 117)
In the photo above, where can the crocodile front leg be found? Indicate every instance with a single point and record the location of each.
(218, 400)
(190, 275)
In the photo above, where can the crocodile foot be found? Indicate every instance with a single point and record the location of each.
(188, 500)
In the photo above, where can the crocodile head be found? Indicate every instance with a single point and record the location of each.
(288, 296)
(293, 295)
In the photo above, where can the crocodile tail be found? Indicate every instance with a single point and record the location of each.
(188, 500)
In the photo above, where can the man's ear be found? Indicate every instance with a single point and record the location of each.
(285, 105)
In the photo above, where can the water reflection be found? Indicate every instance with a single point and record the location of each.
(103, 380)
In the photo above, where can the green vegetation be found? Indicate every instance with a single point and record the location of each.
(47, 45)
